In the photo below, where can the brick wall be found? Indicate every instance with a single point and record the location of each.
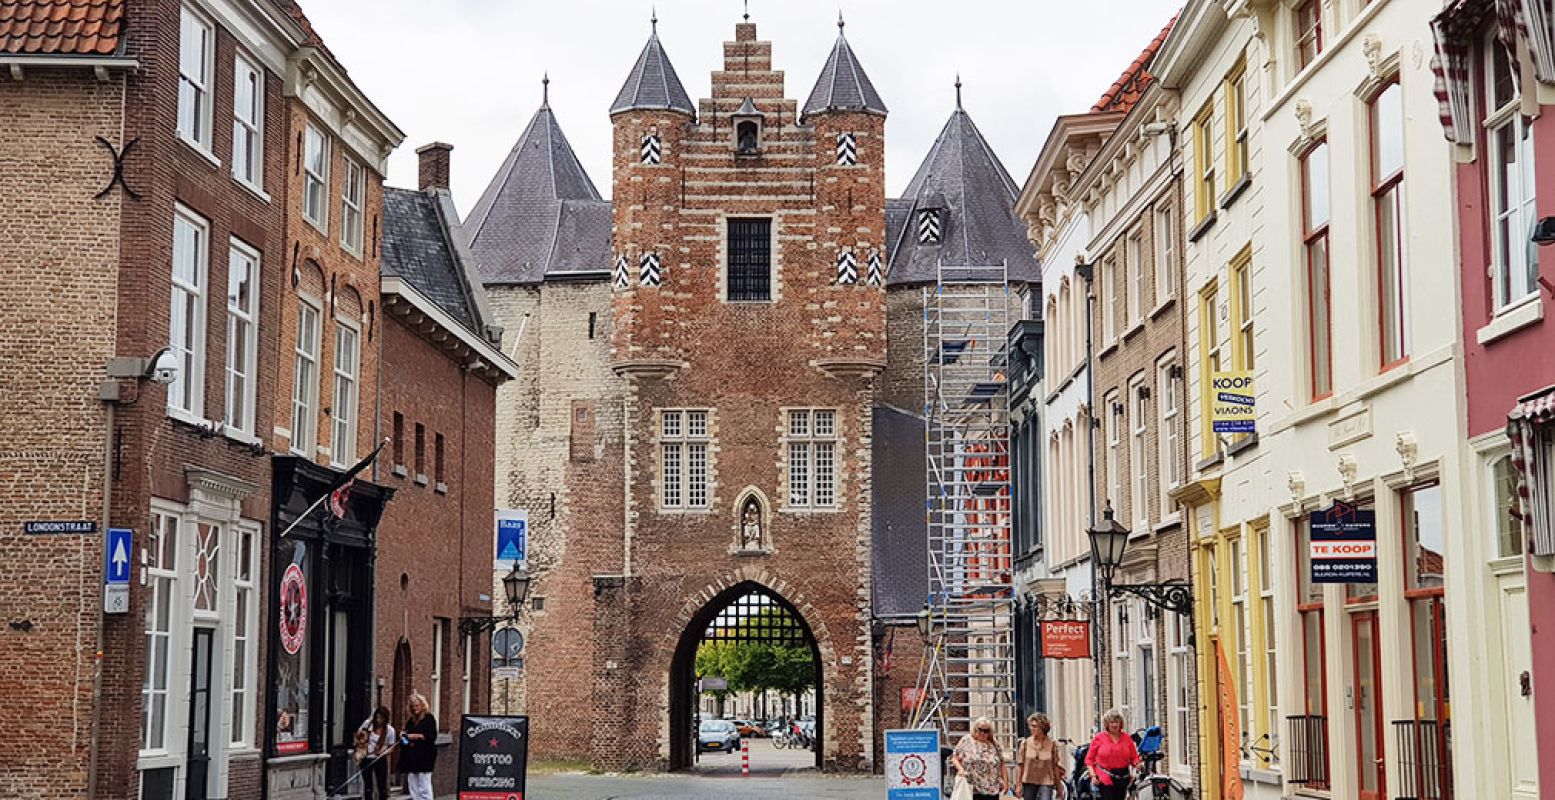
(60, 249)
(434, 545)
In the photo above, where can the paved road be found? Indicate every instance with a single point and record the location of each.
(787, 774)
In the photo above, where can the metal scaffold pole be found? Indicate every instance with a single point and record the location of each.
(968, 668)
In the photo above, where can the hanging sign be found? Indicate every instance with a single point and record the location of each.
(1343, 542)
(912, 765)
(1231, 401)
(493, 758)
(294, 609)
(1066, 638)
(512, 537)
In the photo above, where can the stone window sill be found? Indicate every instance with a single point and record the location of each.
(421, 478)
(1511, 319)
(1197, 231)
(399, 471)
(1236, 190)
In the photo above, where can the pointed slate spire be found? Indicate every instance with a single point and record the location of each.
(973, 197)
(843, 86)
(540, 214)
(652, 84)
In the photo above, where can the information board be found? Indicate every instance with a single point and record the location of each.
(912, 766)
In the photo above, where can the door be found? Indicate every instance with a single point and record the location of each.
(1518, 760)
(199, 754)
(1366, 706)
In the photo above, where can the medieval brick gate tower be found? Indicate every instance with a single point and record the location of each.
(705, 394)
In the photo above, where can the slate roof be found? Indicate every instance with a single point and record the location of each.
(541, 215)
(901, 534)
(418, 246)
(652, 83)
(963, 175)
(843, 86)
(61, 27)
(1127, 89)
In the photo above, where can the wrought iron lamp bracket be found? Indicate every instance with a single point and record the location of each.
(475, 626)
(1174, 596)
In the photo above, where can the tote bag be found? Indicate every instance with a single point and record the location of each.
(963, 790)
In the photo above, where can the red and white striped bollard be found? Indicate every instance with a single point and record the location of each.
(745, 758)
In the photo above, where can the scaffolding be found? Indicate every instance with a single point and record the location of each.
(968, 668)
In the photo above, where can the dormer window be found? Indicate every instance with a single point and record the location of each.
(747, 129)
(931, 226)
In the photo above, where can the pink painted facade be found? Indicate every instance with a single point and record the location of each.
(1510, 366)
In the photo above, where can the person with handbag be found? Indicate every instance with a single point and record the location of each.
(1038, 772)
(375, 739)
(1112, 758)
(979, 764)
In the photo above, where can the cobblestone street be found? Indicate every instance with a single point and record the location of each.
(774, 773)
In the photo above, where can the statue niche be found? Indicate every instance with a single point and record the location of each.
(751, 528)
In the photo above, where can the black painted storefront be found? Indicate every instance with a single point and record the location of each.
(319, 670)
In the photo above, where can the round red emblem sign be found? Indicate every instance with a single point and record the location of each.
(294, 609)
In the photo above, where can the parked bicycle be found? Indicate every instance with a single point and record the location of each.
(1152, 784)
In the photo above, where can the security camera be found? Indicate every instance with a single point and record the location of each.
(164, 367)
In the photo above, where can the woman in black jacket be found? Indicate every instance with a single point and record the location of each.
(418, 749)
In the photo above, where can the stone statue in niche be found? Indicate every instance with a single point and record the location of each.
(750, 526)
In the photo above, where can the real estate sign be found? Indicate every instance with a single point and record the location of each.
(512, 538)
(1343, 544)
(1231, 401)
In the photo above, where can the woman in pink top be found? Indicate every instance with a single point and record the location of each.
(1111, 757)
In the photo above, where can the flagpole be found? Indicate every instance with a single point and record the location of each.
(343, 480)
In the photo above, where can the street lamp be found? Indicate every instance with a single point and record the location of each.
(515, 585)
(1108, 544)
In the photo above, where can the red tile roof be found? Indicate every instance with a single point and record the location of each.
(61, 27)
(1126, 90)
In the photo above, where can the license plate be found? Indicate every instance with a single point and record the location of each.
(713, 746)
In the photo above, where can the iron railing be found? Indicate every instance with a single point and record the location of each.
(1424, 759)
(1307, 763)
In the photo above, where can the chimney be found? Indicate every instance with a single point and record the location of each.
(434, 165)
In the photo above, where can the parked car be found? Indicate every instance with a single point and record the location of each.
(719, 735)
(748, 728)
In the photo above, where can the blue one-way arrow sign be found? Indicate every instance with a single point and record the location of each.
(118, 555)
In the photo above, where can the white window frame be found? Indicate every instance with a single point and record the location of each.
(1169, 432)
(242, 685)
(186, 394)
(437, 673)
(1179, 693)
(305, 383)
(1269, 611)
(685, 447)
(1108, 302)
(1509, 268)
(469, 655)
(1134, 260)
(1114, 458)
(347, 394)
(1165, 253)
(1241, 620)
(201, 86)
(810, 456)
(240, 401)
(353, 201)
(1123, 617)
(1139, 493)
(248, 124)
(161, 573)
(1145, 673)
(315, 208)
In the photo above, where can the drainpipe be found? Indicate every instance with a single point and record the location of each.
(1098, 640)
(108, 388)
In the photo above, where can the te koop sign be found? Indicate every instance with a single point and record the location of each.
(1343, 544)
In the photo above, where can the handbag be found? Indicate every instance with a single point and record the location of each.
(963, 790)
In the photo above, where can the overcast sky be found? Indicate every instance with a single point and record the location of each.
(468, 72)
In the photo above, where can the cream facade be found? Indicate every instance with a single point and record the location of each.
(1211, 63)
(1060, 230)
(1346, 245)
